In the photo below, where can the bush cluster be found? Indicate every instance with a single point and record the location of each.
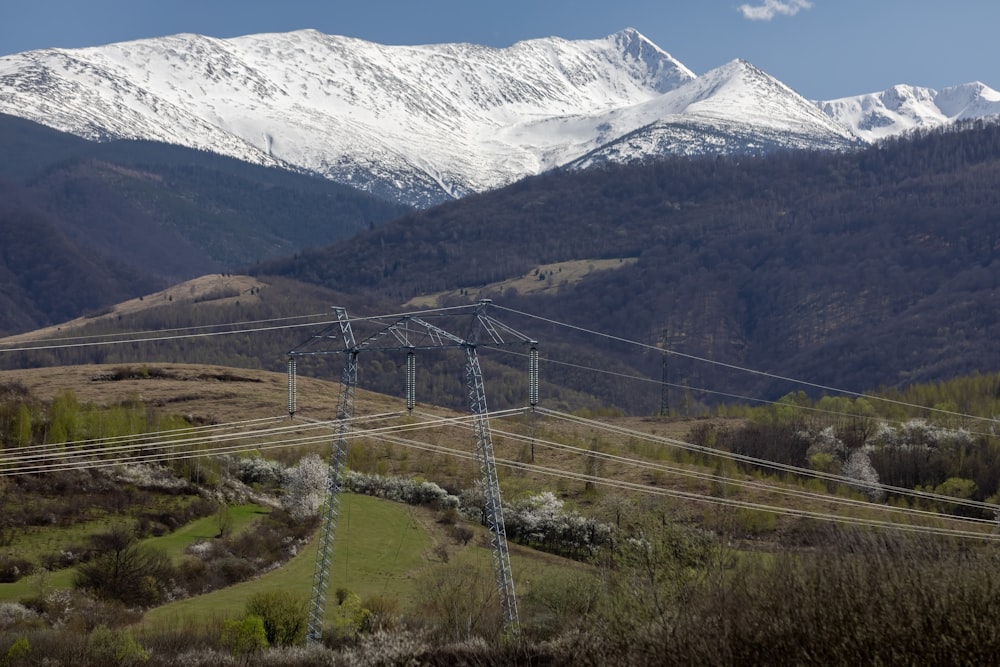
(412, 491)
(542, 521)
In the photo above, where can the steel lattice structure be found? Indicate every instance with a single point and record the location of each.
(409, 333)
(331, 506)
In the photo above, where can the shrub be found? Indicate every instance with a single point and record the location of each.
(257, 470)
(229, 570)
(383, 614)
(460, 534)
(15, 615)
(113, 647)
(244, 637)
(13, 568)
(543, 522)
(400, 489)
(350, 617)
(305, 488)
(459, 601)
(124, 570)
(18, 650)
(283, 615)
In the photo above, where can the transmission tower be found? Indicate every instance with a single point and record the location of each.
(664, 384)
(331, 506)
(412, 333)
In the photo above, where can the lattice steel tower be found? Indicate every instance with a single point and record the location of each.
(412, 333)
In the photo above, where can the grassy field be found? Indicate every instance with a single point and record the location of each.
(380, 549)
(237, 518)
(34, 542)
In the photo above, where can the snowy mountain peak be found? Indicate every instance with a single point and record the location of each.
(417, 123)
(902, 108)
(733, 109)
(666, 72)
(739, 92)
(969, 100)
(425, 123)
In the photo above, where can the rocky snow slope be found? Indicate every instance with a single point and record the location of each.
(422, 124)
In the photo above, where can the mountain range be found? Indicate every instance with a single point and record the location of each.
(425, 124)
(864, 260)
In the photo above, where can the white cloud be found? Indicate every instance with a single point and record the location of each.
(772, 8)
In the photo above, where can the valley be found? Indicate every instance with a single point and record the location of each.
(715, 366)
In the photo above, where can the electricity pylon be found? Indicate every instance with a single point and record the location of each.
(412, 333)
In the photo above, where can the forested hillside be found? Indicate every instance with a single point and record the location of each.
(854, 270)
(44, 276)
(161, 214)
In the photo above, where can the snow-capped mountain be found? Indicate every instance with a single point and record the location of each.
(732, 109)
(901, 109)
(422, 124)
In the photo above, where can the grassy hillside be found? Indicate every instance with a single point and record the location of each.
(650, 524)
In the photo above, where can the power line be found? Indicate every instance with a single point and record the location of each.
(774, 465)
(172, 450)
(154, 339)
(765, 401)
(714, 500)
(162, 335)
(168, 330)
(754, 484)
(745, 369)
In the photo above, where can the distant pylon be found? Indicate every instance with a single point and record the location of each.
(664, 383)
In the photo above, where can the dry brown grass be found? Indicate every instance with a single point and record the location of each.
(555, 277)
(217, 289)
(207, 393)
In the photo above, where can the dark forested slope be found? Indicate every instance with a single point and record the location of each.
(44, 277)
(852, 270)
(165, 213)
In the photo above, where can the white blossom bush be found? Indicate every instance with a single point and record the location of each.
(825, 452)
(148, 476)
(919, 433)
(825, 442)
(15, 614)
(305, 487)
(412, 491)
(202, 549)
(884, 435)
(542, 521)
(257, 470)
(859, 467)
(897, 448)
(385, 649)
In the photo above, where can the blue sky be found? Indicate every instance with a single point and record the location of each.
(824, 49)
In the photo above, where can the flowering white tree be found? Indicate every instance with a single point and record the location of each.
(543, 521)
(859, 466)
(305, 487)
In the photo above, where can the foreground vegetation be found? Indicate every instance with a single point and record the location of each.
(208, 561)
(670, 599)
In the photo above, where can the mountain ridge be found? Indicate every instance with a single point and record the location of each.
(428, 123)
(901, 108)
